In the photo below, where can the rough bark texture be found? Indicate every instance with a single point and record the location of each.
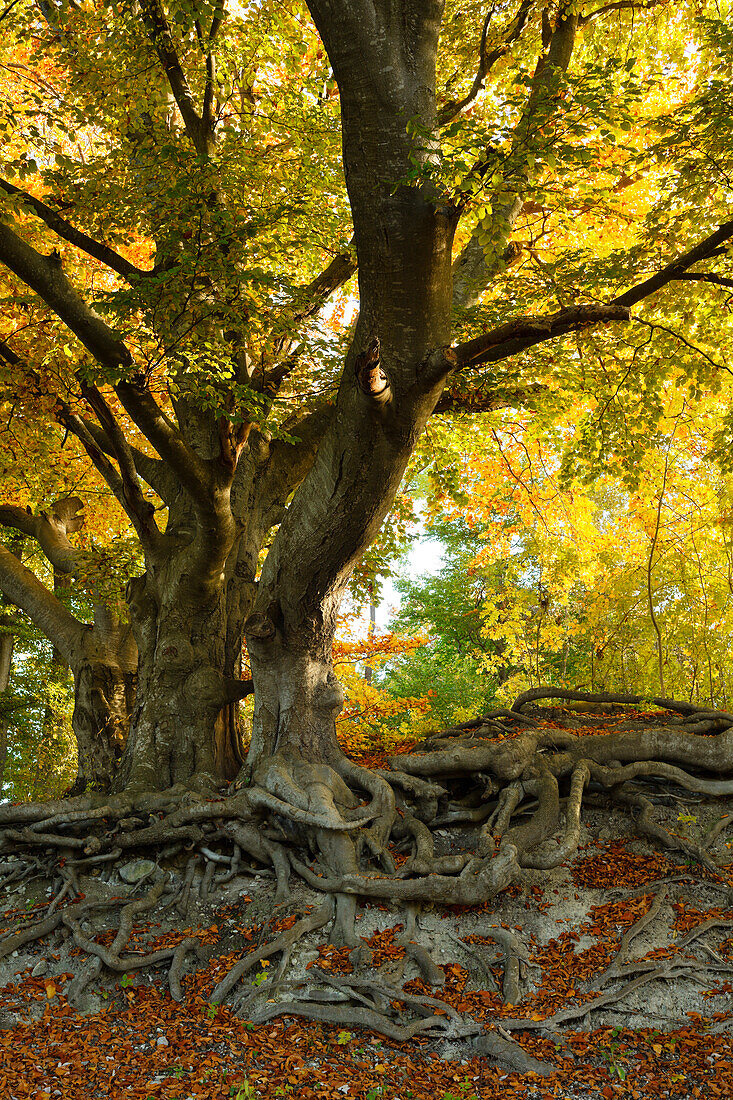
(7, 645)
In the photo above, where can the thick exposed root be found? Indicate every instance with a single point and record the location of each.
(516, 787)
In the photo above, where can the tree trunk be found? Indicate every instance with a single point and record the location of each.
(389, 387)
(105, 679)
(7, 645)
(180, 686)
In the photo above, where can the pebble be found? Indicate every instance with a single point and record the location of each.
(40, 968)
(161, 1041)
(137, 870)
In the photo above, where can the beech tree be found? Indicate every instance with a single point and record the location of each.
(166, 303)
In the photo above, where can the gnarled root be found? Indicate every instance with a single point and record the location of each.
(453, 825)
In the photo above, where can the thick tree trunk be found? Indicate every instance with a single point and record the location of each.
(180, 686)
(105, 679)
(390, 385)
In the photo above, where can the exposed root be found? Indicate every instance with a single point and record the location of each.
(545, 860)
(352, 833)
(647, 826)
(185, 947)
(286, 940)
(508, 1052)
(355, 1017)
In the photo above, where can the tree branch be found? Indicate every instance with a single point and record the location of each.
(152, 470)
(74, 423)
(487, 60)
(706, 277)
(159, 33)
(140, 510)
(308, 300)
(44, 275)
(24, 589)
(50, 529)
(474, 267)
(207, 109)
(702, 251)
(191, 471)
(523, 332)
(618, 5)
(479, 401)
(70, 233)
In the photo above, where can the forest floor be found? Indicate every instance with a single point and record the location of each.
(618, 904)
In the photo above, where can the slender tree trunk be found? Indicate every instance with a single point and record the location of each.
(7, 645)
(369, 670)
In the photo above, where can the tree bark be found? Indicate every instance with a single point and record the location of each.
(7, 645)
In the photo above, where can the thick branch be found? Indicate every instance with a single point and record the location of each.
(144, 410)
(109, 472)
(50, 529)
(45, 276)
(23, 588)
(70, 233)
(523, 332)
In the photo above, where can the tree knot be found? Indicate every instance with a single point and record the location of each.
(369, 374)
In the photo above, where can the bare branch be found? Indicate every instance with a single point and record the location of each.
(207, 109)
(523, 332)
(74, 423)
(487, 60)
(70, 233)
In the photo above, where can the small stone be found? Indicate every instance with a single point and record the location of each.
(161, 1041)
(40, 968)
(137, 870)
